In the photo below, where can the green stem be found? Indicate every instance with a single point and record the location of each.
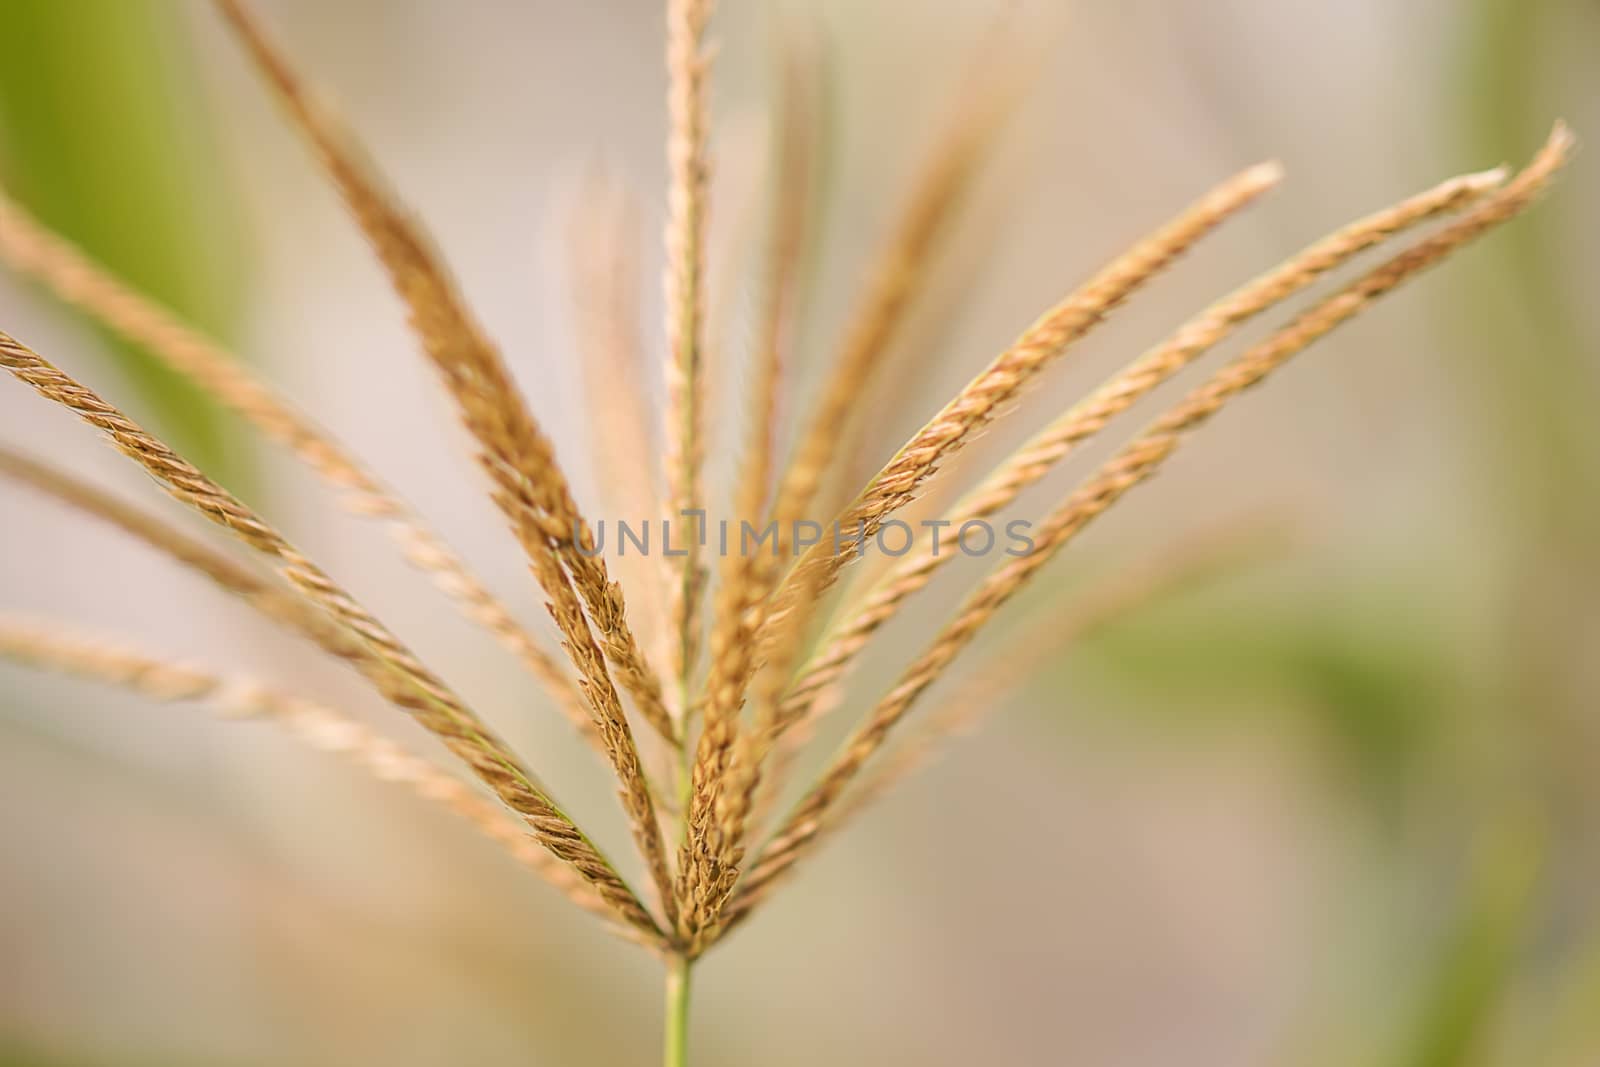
(675, 1033)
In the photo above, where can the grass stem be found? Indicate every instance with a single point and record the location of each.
(675, 1031)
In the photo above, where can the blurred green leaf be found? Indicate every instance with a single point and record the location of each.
(104, 135)
(1575, 1029)
(1520, 312)
(1520, 291)
(1373, 669)
(18, 1057)
(1478, 960)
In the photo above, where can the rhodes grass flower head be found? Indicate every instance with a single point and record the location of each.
(698, 684)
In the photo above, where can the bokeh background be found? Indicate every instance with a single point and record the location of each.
(1332, 801)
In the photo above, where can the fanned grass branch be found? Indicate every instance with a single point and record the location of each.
(734, 734)
(1133, 465)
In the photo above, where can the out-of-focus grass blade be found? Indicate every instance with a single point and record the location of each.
(1540, 426)
(104, 135)
(1370, 668)
(1478, 962)
(1573, 1036)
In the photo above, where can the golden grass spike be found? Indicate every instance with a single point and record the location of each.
(634, 791)
(896, 277)
(688, 170)
(1135, 463)
(49, 648)
(31, 249)
(1088, 417)
(1001, 382)
(388, 664)
(531, 490)
(603, 250)
(748, 575)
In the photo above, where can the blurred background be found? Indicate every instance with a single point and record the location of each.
(1330, 798)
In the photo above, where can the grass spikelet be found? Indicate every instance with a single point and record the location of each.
(972, 409)
(531, 490)
(387, 663)
(1135, 463)
(689, 175)
(31, 249)
(1088, 417)
(49, 647)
